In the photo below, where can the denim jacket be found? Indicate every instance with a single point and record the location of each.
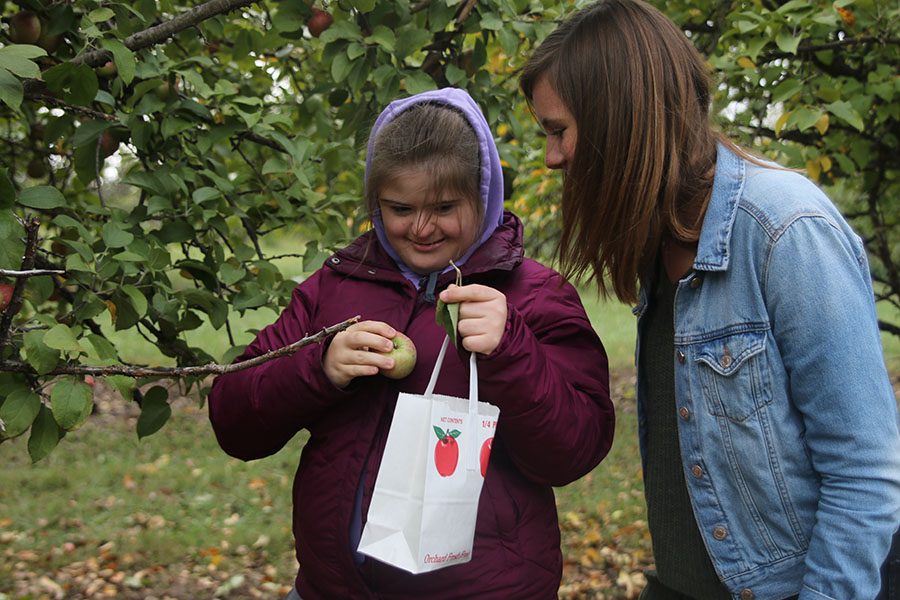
(788, 424)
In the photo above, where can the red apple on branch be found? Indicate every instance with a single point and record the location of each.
(24, 27)
(6, 292)
(319, 21)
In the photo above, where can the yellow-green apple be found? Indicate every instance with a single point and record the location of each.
(404, 355)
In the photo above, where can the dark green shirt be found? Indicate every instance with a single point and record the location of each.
(682, 562)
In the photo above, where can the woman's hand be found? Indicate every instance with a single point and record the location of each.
(357, 352)
(482, 315)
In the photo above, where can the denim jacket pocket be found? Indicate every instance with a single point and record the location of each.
(734, 374)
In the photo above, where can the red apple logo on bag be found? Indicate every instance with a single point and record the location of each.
(446, 451)
(485, 454)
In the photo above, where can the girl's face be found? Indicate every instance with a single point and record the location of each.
(426, 233)
(557, 122)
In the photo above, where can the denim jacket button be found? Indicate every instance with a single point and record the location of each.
(684, 413)
(697, 471)
(725, 361)
(720, 533)
(696, 281)
(680, 356)
(747, 594)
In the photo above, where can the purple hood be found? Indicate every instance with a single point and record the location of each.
(491, 172)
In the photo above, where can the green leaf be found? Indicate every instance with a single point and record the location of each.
(155, 411)
(205, 194)
(71, 401)
(418, 82)
(7, 191)
(138, 300)
(104, 348)
(123, 57)
(45, 435)
(11, 245)
(340, 67)
(785, 90)
(455, 433)
(77, 83)
(37, 354)
(11, 90)
(447, 316)
(491, 22)
(18, 63)
(842, 109)
(115, 236)
(60, 337)
(787, 42)
(101, 14)
(384, 37)
(455, 75)
(439, 432)
(410, 40)
(42, 197)
(18, 412)
(88, 132)
(363, 6)
(26, 51)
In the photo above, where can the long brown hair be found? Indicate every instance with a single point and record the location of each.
(645, 152)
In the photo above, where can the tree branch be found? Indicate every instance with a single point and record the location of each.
(178, 372)
(15, 303)
(160, 33)
(807, 49)
(888, 327)
(30, 272)
(50, 100)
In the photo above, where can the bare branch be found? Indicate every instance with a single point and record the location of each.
(179, 372)
(51, 101)
(162, 32)
(15, 303)
(30, 272)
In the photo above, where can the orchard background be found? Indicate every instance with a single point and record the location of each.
(169, 170)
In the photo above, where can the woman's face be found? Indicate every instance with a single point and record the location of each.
(557, 122)
(426, 231)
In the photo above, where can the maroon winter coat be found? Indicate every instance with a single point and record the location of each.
(548, 376)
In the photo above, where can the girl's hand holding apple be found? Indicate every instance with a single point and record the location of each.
(482, 315)
(359, 351)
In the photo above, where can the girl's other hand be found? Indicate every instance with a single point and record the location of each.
(357, 352)
(482, 315)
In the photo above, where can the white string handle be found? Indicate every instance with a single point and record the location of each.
(472, 461)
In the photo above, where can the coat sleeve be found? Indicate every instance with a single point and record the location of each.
(550, 378)
(254, 412)
(819, 298)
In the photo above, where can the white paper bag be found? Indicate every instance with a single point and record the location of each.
(425, 502)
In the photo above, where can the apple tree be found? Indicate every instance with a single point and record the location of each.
(810, 83)
(151, 150)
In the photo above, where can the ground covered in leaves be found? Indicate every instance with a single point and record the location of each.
(128, 538)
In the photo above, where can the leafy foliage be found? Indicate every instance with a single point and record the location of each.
(162, 147)
(155, 152)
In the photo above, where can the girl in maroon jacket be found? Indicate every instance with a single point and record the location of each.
(434, 190)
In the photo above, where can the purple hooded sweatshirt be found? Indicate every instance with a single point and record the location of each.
(548, 376)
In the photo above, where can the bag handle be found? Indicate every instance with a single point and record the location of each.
(473, 462)
(473, 375)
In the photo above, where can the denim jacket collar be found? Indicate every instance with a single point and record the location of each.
(714, 246)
